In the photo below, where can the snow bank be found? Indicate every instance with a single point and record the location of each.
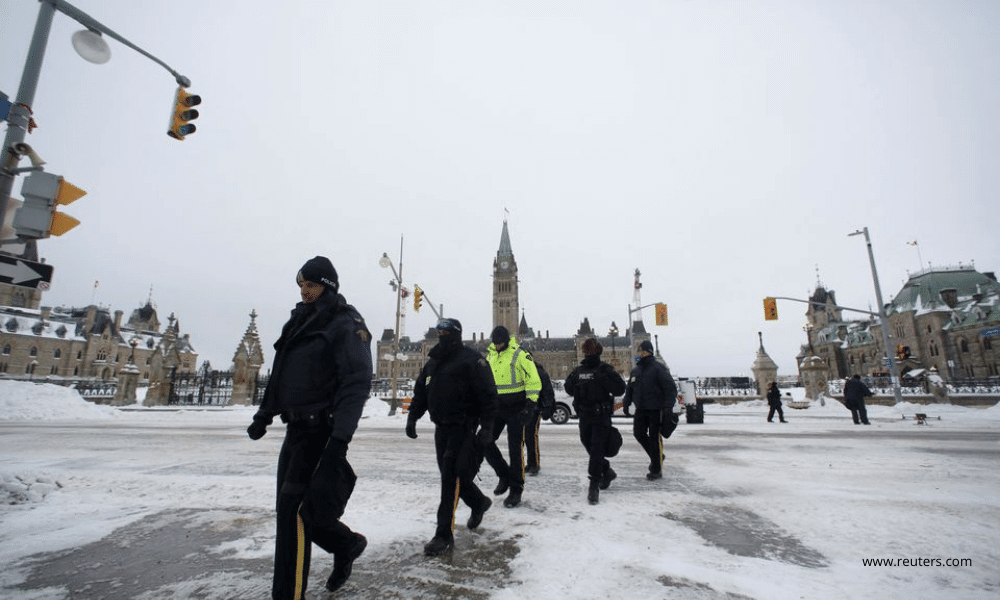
(26, 401)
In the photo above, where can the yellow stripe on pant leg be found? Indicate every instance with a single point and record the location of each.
(300, 553)
(660, 436)
(454, 507)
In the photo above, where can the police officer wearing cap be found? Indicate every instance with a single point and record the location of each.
(456, 387)
(319, 383)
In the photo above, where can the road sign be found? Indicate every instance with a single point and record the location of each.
(991, 332)
(25, 273)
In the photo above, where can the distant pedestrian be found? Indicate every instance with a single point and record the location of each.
(855, 392)
(518, 386)
(544, 408)
(774, 402)
(593, 386)
(319, 383)
(456, 387)
(652, 390)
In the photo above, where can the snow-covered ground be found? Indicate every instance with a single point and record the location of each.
(747, 509)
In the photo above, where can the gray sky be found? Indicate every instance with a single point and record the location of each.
(724, 148)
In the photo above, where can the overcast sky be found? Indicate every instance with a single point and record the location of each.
(724, 148)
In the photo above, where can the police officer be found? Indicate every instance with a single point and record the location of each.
(319, 383)
(544, 408)
(652, 390)
(593, 386)
(456, 387)
(518, 386)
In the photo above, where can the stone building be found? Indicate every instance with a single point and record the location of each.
(88, 343)
(943, 319)
(559, 355)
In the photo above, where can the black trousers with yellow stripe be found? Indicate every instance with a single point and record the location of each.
(450, 441)
(646, 427)
(300, 455)
(534, 456)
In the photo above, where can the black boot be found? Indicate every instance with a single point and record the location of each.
(342, 565)
(607, 478)
(501, 488)
(594, 493)
(437, 545)
(477, 515)
(513, 498)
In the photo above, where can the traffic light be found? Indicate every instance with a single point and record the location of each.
(43, 193)
(179, 125)
(418, 298)
(770, 309)
(661, 313)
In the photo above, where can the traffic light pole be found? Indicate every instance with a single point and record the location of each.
(883, 319)
(19, 119)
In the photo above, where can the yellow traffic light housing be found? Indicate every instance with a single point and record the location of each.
(661, 313)
(418, 298)
(43, 193)
(180, 125)
(770, 309)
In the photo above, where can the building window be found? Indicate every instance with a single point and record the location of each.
(963, 345)
(57, 353)
(6, 350)
(79, 354)
(33, 352)
(987, 344)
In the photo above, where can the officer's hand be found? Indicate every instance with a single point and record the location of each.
(547, 412)
(258, 428)
(411, 429)
(627, 410)
(485, 436)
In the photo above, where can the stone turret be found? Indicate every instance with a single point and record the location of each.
(246, 364)
(764, 369)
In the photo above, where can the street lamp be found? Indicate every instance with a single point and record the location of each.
(386, 263)
(883, 320)
(613, 332)
(88, 44)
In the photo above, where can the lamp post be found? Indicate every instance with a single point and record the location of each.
(89, 45)
(613, 332)
(397, 282)
(883, 319)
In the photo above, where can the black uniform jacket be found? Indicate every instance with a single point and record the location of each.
(322, 366)
(855, 392)
(456, 386)
(593, 385)
(650, 386)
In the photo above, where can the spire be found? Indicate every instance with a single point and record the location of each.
(505, 250)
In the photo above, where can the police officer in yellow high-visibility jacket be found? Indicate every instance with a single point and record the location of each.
(518, 386)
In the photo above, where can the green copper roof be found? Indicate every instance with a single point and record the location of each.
(922, 292)
(505, 250)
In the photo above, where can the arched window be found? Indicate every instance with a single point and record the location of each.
(6, 350)
(963, 345)
(33, 352)
(57, 353)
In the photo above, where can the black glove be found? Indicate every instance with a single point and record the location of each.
(411, 429)
(336, 448)
(547, 412)
(258, 428)
(485, 435)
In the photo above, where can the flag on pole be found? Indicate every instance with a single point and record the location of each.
(913, 243)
